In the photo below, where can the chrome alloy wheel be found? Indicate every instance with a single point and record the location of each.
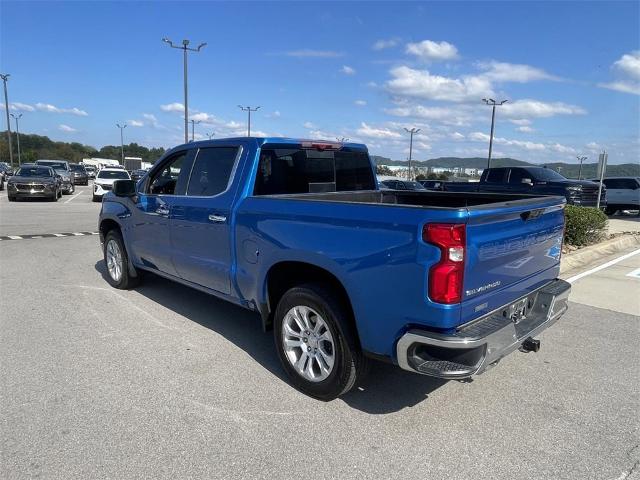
(308, 343)
(114, 260)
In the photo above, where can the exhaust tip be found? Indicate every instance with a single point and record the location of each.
(530, 345)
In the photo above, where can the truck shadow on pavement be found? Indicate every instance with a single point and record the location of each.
(385, 389)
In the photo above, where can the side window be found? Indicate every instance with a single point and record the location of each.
(496, 175)
(165, 180)
(211, 171)
(516, 176)
(612, 183)
(629, 184)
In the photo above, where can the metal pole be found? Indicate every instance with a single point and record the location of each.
(493, 103)
(5, 77)
(16, 118)
(493, 120)
(185, 48)
(411, 132)
(602, 169)
(186, 95)
(248, 109)
(121, 140)
(582, 159)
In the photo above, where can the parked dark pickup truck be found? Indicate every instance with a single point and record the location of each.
(441, 284)
(534, 181)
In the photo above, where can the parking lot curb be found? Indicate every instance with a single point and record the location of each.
(589, 255)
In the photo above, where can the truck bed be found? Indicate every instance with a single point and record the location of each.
(428, 199)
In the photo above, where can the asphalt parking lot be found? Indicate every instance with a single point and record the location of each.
(167, 382)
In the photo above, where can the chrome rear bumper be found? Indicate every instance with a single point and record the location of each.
(480, 344)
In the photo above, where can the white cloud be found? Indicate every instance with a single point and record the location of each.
(628, 67)
(622, 86)
(525, 129)
(527, 145)
(23, 107)
(309, 125)
(420, 83)
(563, 149)
(373, 132)
(382, 44)
(629, 64)
(47, 107)
(528, 108)
(453, 115)
(310, 53)
(202, 117)
(594, 147)
(66, 128)
(457, 136)
(428, 50)
(360, 103)
(274, 114)
(512, 72)
(347, 70)
(520, 121)
(149, 116)
(135, 123)
(174, 107)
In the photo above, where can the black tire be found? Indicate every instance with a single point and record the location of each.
(349, 366)
(95, 198)
(125, 281)
(12, 199)
(59, 193)
(54, 197)
(610, 210)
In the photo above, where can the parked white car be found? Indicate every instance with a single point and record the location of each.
(623, 193)
(104, 181)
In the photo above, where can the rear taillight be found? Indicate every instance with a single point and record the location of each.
(445, 277)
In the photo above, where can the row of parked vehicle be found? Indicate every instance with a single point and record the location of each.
(52, 178)
(618, 193)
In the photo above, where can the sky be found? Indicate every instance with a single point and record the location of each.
(359, 70)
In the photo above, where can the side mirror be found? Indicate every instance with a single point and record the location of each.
(527, 181)
(124, 188)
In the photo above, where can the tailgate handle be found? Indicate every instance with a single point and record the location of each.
(531, 214)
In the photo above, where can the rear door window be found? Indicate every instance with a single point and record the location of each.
(211, 171)
(495, 175)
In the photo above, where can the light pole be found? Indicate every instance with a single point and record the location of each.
(185, 48)
(411, 133)
(581, 158)
(248, 110)
(210, 135)
(5, 77)
(493, 104)
(121, 140)
(16, 118)
(342, 139)
(193, 128)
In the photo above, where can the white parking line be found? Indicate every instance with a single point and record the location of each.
(603, 266)
(634, 274)
(71, 198)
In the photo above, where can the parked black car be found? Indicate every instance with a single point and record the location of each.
(401, 185)
(35, 181)
(536, 181)
(79, 175)
(137, 174)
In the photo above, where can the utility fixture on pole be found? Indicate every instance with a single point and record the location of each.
(210, 135)
(342, 139)
(493, 104)
(411, 133)
(121, 140)
(185, 48)
(581, 158)
(248, 110)
(16, 118)
(5, 77)
(193, 128)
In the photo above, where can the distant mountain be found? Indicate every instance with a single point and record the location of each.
(569, 170)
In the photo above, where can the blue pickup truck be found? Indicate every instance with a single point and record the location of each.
(442, 284)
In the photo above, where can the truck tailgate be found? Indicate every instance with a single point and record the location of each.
(510, 250)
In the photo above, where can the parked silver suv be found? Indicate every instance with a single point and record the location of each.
(623, 193)
(62, 168)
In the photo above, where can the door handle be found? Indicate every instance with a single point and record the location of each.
(217, 218)
(162, 210)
